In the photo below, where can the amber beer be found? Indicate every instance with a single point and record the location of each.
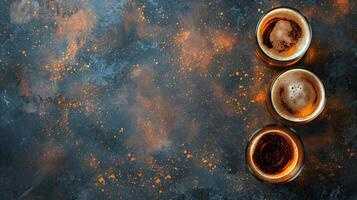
(275, 154)
(296, 96)
(283, 36)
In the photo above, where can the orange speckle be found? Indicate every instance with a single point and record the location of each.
(168, 177)
(157, 181)
(189, 155)
(101, 180)
(260, 97)
(112, 177)
(185, 34)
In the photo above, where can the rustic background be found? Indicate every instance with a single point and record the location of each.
(131, 99)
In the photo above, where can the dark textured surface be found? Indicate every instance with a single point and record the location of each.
(110, 99)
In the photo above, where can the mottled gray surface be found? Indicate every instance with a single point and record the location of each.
(117, 99)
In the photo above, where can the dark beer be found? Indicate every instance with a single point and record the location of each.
(296, 96)
(275, 154)
(272, 153)
(283, 36)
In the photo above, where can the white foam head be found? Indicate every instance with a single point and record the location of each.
(287, 32)
(298, 95)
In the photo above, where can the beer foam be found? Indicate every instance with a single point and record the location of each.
(298, 97)
(296, 94)
(282, 36)
(283, 33)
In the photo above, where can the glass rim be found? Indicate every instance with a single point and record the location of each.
(293, 172)
(295, 56)
(313, 115)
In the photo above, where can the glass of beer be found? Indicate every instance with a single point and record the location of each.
(296, 96)
(275, 154)
(283, 36)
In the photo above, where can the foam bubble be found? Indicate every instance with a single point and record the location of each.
(299, 96)
(295, 95)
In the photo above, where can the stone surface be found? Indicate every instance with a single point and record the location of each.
(157, 99)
